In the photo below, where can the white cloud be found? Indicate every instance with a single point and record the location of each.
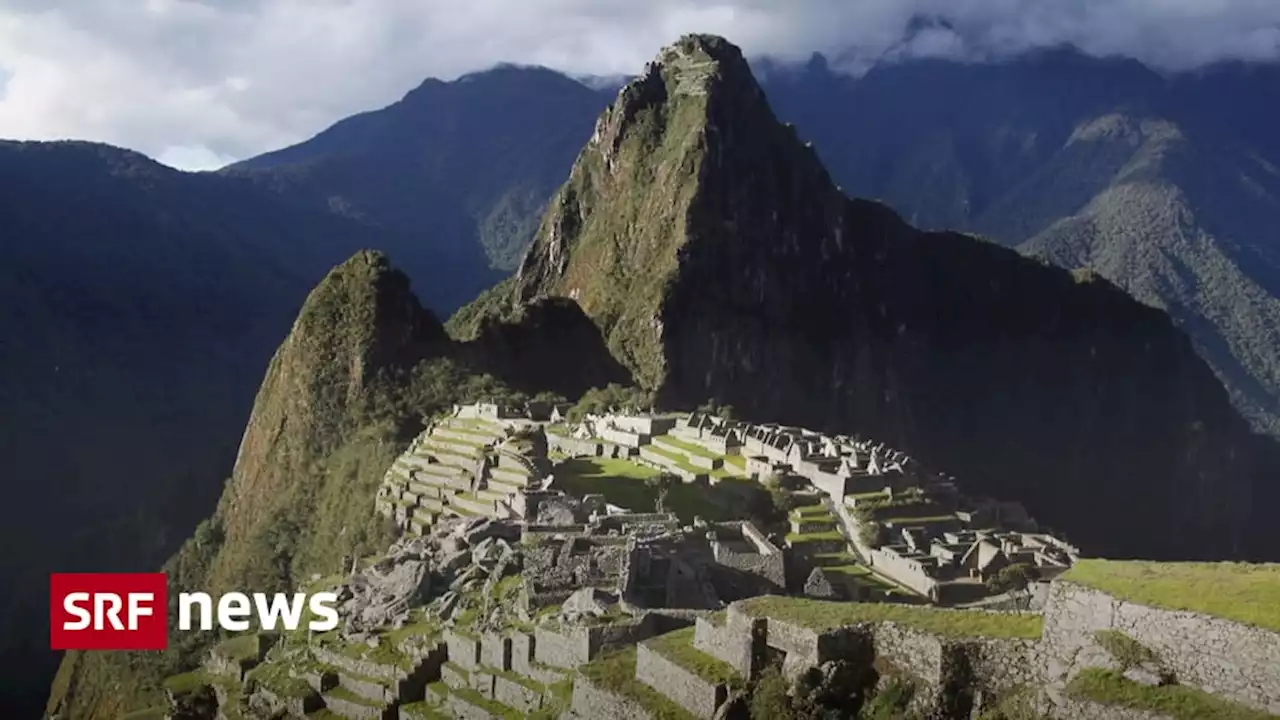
(204, 80)
(193, 157)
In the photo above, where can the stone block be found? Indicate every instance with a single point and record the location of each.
(367, 688)
(522, 655)
(729, 644)
(464, 650)
(590, 701)
(566, 648)
(515, 695)
(495, 651)
(462, 710)
(454, 676)
(482, 682)
(682, 687)
(707, 463)
(355, 710)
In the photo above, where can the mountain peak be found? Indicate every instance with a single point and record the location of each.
(720, 262)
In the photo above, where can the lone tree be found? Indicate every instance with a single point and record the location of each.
(1014, 580)
(661, 485)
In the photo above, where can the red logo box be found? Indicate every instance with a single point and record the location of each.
(108, 611)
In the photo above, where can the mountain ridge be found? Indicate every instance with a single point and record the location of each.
(754, 283)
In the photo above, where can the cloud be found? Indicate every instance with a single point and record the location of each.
(193, 157)
(199, 81)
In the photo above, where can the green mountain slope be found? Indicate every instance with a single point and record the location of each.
(462, 164)
(1162, 226)
(362, 368)
(720, 262)
(1056, 152)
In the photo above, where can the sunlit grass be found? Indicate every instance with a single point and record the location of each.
(1243, 592)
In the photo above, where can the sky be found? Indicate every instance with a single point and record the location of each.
(201, 83)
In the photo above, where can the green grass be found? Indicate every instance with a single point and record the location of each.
(819, 615)
(1124, 649)
(809, 511)
(276, 677)
(687, 448)
(616, 672)
(1177, 701)
(345, 694)
(186, 682)
(801, 538)
(240, 647)
(515, 677)
(422, 710)
(1242, 592)
(678, 648)
(490, 706)
(622, 483)
(736, 461)
(919, 520)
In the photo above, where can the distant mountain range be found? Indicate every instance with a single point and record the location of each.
(141, 304)
(1168, 186)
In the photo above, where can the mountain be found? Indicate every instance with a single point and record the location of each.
(1165, 185)
(699, 247)
(362, 367)
(138, 306)
(721, 263)
(460, 164)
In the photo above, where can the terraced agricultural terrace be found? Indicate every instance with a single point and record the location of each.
(660, 565)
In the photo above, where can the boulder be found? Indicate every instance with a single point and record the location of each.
(819, 586)
(585, 603)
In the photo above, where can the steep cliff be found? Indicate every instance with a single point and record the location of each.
(720, 262)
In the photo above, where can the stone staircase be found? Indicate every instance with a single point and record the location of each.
(456, 468)
(669, 676)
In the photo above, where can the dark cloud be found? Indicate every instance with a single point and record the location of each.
(199, 81)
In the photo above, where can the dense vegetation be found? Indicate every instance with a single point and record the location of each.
(362, 371)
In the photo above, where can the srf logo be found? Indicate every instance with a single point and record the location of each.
(107, 611)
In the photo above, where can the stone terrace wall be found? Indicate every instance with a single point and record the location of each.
(1005, 664)
(590, 702)
(1236, 661)
(732, 644)
(572, 645)
(914, 651)
(683, 687)
(811, 648)
(560, 648)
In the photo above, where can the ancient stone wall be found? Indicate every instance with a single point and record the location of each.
(728, 643)
(604, 637)
(683, 687)
(1002, 665)
(573, 447)
(366, 668)
(515, 695)
(1235, 661)
(464, 650)
(590, 701)
(805, 647)
(562, 648)
(913, 651)
(495, 651)
(903, 571)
